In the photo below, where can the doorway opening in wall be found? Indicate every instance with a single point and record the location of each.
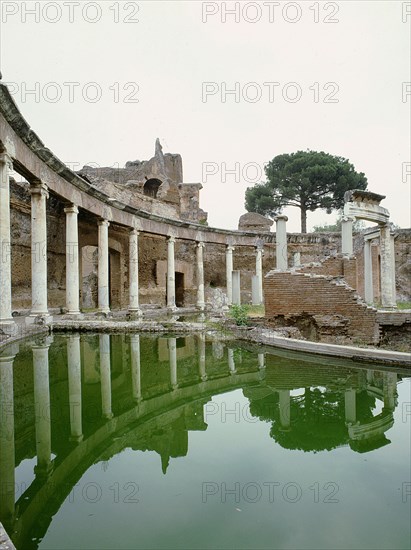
(115, 279)
(179, 278)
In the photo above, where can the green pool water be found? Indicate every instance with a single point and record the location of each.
(133, 441)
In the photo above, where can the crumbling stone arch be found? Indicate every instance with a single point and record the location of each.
(151, 187)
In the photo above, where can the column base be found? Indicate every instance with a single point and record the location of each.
(8, 327)
(134, 314)
(43, 471)
(39, 319)
(172, 309)
(108, 416)
(201, 306)
(75, 315)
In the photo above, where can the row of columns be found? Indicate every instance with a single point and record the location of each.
(39, 194)
(387, 264)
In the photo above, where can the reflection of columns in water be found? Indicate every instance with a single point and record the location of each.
(231, 363)
(390, 387)
(284, 407)
(105, 375)
(172, 354)
(370, 377)
(7, 461)
(74, 383)
(350, 398)
(202, 357)
(42, 407)
(261, 361)
(135, 366)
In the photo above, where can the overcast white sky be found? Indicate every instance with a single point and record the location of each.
(351, 73)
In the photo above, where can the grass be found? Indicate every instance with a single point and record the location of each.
(256, 311)
(404, 305)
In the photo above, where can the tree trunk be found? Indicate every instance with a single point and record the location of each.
(303, 220)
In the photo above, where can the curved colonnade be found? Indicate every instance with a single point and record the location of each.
(23, 151)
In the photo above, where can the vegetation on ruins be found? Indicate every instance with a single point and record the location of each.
(306, 179)
(239, 312)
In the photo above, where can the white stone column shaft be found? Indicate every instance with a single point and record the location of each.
(105, 375)
(39, 195)
(42, 408)
(200, 276)
(135, 366)
(7, 456)
(72, 261)
(387, 260)
(368, 282)
(346, 236)
(281, 242)
(171, 277)
(172, 353)
(5, 243)
(134, 305)
(259, 272)
(103, 267)
(229, 273)
(394, 287)
(236, 292)
(74, 384)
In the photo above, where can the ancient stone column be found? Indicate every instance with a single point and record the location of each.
(368, 283)
(39, 195)
(6, 322)
(202, 357)
(134, 305)
(135, 367)
(105, 376)
(72, 262)
(103, 267)
(297, 259)
(236, 292)
(171, 277)
(394, 288)
(74, 384)
(172, 354)
(281, 242)
(259, 272)
(200, 276)
(346, 236)
(350, 406)
(284, 404)
(387, 295)
(42, 407)
(229, 273)
(7, 456)
(231, 363)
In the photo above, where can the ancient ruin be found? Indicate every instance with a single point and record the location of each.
(137, 239)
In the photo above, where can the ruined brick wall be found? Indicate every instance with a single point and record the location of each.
(322, 302)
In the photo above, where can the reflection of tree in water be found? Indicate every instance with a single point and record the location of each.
(317, 418)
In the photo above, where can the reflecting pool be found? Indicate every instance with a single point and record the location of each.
(135, 441)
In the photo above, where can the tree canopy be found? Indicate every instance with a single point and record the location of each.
(306, 179)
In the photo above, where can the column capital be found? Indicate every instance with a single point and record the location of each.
(200, 244)
(134, 232)
(103, 223)
(40, 189)
(281, 217)
(348, 219)
(229, 248)
(5, 158)
(72, 209)
(259, 248)
(171, 239)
